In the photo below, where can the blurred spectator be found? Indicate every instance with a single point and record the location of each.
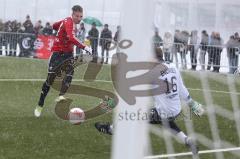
(28, 25)
(20, 36)
(38, 27)
(236, 36)
(81, 34)
(94, 35)
(211, 51)
(216, 45)
(157, 40)
(7, 26)
(47, 30)
(203, 48)
(1, 43)
(14, 26)
(105, 42)
(6, 36)
(1, 36)
(167, 46)
(176, 46)
(20, 28)
(27, 40)
(232, 52)
(1, 25)
(117, 37)
(183, 39)
(12, 38)
(193, 47)
(219, 48)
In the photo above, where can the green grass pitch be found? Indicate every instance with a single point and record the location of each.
(23, 136)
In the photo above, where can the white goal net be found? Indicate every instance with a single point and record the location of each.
(217, 132)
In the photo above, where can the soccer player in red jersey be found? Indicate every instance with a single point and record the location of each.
(62, 54)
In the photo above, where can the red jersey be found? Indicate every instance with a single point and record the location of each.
(65, 38)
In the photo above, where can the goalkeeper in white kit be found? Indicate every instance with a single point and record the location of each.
(167, 106)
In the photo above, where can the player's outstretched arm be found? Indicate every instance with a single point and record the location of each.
(196, 107)
(71, 36)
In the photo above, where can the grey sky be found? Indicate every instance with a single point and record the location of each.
(212, 15)
(53, 10)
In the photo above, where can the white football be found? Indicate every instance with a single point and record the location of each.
(76, 116)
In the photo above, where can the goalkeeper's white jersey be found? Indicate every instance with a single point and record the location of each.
(169, 104)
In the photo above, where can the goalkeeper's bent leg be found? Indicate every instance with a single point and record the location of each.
(175, 129)
(183, 137)
(170, 124)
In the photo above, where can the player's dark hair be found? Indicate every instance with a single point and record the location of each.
(77, 8)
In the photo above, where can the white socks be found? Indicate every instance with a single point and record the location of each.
(181, 136)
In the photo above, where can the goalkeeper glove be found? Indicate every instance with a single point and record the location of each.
(196, 107)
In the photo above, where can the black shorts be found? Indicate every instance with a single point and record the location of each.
(60, 62)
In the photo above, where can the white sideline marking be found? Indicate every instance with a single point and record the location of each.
(197, 89)
(81, 80)
(190, 153)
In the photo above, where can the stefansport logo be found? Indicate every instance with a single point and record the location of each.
(122, 85)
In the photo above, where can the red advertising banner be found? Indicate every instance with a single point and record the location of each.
(43, 45)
